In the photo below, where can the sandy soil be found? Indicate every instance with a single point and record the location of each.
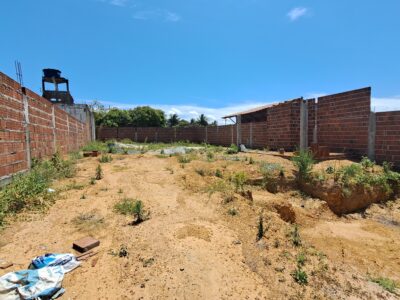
(191, 248)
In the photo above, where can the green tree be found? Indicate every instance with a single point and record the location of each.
(145, 116)
(202, 120)
(173, 120)
(116, 118)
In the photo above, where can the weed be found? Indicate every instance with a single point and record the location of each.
(171, 171)
(296, 239)
(251, 161)
(88, 221)
(183, 159)
(99, 172)
(232, 211)
(75, 186)
(92, 180)
(271, 171)
(75, 155)
(201, 172)
(96, 146)
(129, 206)
(386, 283)
(120, 191)
(30, 190)
(228, 197)
(239, 179)
(301, 259)
(366, 163)
(260, 232)
(218, 173)
(83, 196)
(300, 276)
(233, 149)
(304, 162)
(330, 170)
(210, 156)
(105, 158)
(218, 186)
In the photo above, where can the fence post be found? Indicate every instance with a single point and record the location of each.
(251, 135)
(371, 135)
(206, 139)
(238, 129)
(53, 120)
(26, 127)
(303, 124)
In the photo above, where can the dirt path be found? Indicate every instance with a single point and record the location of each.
(183, 251)
(191, 248)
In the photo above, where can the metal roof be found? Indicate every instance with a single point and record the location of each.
(250, 111)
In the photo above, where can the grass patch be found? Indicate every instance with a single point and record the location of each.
(99, 173)
(300, 276)
(105, 158)
(233, 149)
(239, 179)
(88, 221)
(96, 146)
(132, 207)
(386, 283)
(30, 190)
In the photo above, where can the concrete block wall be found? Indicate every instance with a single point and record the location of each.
(343, 120)
(32, 127)
(387, 139)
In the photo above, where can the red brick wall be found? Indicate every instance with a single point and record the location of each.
(68, 134)
(343, 121)
(387, 140)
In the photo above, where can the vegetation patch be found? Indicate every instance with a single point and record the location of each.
(132, 207)
(31, 190)
(386, 283)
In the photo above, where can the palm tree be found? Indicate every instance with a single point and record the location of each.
(202, 120)
(173, 120)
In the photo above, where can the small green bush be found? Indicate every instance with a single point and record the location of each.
(99, 173)
(232, 212)
(233, 149)
(260, 228)
(239, 179)
(96, 146)
(296, 239)
(300, 276)
(304, 163)
(183, 159)
(218, 173)
(129, 206)
(105, 158)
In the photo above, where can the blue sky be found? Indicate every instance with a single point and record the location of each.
(206, 56)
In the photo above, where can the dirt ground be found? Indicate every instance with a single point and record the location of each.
(191, 248)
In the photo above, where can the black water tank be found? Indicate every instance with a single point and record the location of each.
(51, 73)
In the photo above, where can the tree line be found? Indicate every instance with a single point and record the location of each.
(143, 116)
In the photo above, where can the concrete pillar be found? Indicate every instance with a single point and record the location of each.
(371, 135)
(303, 125)
(315, 130)
(27, 132)
(53, 120)
(251, 135)
(238, 129)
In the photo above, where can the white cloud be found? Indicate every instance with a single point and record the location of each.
(157, 14)
(119, 2)
(296, 13)
(385, 104)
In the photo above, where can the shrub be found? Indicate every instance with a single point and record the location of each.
(296, 240)
(201, 172)
(218, 173)
(239, 179)
(330, 170)
(95, 146)
(232, 212)
(105, 158)
(210, 156)
(99, 173)
(366, 163)
(300, 276)
(233, 149)
(301, 259)
(304, 163)
(260, 227)
(183, 159)
(129, 206)
(251, 161)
